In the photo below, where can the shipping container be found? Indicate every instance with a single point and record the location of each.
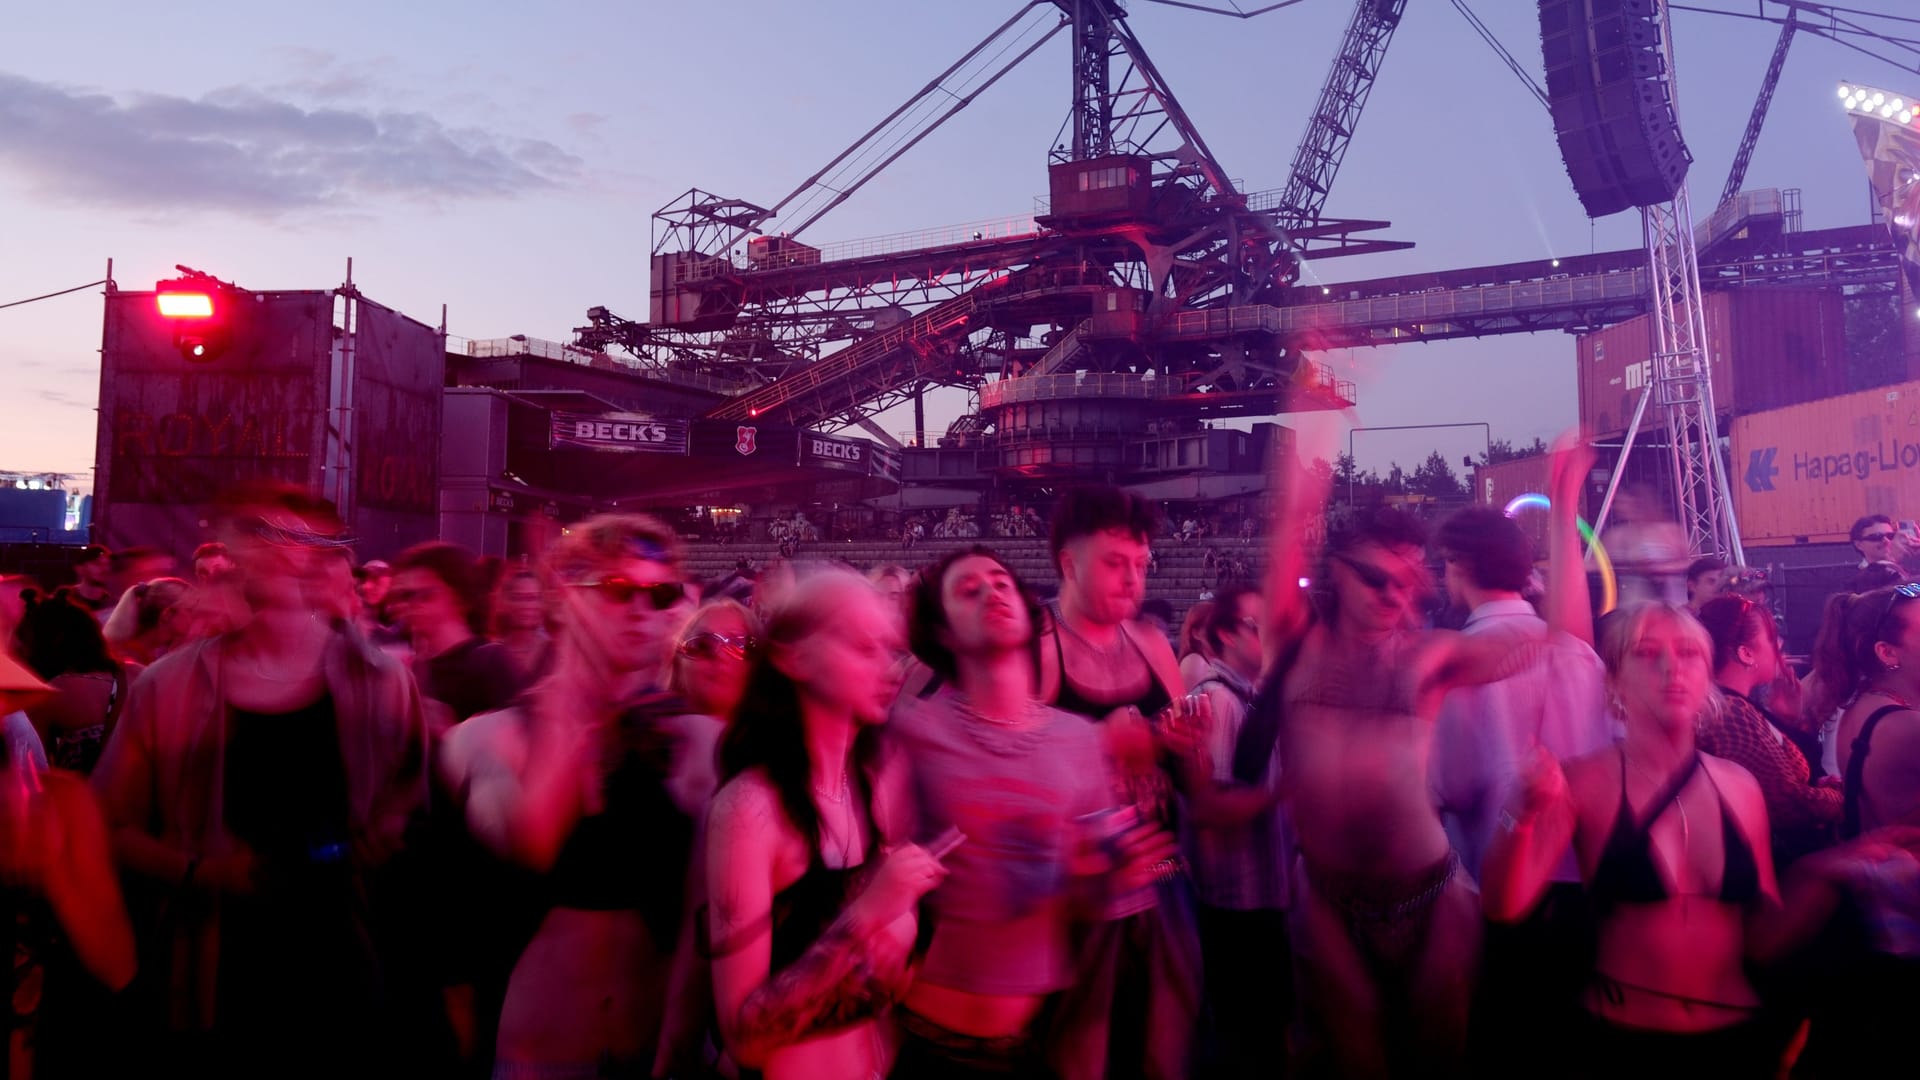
(1770, 348)
(1499, 484)
(1803, 474)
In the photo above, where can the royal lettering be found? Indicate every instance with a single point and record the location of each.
(184, 434)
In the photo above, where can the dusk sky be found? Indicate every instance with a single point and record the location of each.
(504, 160)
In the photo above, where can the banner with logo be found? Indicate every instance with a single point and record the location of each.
(631, 432)
(834, 452)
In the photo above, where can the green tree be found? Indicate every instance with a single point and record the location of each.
(1435, 479)
(1503, 450)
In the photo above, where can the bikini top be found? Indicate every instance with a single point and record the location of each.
(1627, 873)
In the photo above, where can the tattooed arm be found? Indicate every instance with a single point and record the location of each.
(843, 978)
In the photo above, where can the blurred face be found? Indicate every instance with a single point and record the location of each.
(1241, 647)
(1763, 652)
(283, 558)
(212, 568)
(1106, 573)
(522, 604)
(1707, 586)
(625, 614)
(422, 603)
(713, 660)
(1665, 676)
(1876, 542)
(374, 588)
(1378, 586)
(852, 661)
(985, 614)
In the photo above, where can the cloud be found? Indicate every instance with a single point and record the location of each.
(242, 151)
(57, 397)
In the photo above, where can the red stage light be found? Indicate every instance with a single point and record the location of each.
(185, 305)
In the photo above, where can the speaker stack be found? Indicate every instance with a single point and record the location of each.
(1607, 84)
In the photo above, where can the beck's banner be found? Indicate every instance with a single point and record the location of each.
(1891, 152)
(833, 452)
(631, 432)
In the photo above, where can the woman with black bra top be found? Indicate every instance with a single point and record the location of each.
(1672, 845)
(811, 914)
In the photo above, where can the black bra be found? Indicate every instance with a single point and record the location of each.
(1627, 874)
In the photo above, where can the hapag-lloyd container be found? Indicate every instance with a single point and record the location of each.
(1770, 348)
(1803, 474)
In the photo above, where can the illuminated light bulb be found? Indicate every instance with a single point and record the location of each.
(174, 305)
(1886, 112)
(1898, 104)
(1556, 263)
(1846, 91)
(1879, 98)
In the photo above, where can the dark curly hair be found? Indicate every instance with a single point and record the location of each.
(929, 614)
(460, 571)
(1084, 511)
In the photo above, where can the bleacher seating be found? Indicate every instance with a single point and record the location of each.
(1180, 576)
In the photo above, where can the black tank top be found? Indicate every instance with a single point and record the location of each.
(1150, 701)
(633, 855)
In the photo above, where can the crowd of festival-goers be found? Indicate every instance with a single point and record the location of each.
(288, 815)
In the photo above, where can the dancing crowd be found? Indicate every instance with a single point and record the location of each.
(589, 818)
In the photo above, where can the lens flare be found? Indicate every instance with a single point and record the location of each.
(1609, 585)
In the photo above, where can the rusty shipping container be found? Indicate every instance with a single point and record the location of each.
(174, 433)
(1803, 474)
(1770, 348)
(1499, 484)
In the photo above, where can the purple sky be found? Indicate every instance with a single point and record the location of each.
(504, 160)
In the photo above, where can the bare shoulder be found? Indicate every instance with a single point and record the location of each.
(488, 739)
(1730, 776)
(746, 802)
(1594, 774)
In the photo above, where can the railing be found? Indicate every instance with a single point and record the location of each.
(493, 348)
(1012, 228)
(1086, 384)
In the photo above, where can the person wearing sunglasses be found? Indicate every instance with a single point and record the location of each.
(572, 784)
(1875, 538)
(1386, 930)
(261, 784)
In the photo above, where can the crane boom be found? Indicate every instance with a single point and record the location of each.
(1744, 155)
(1337, 113)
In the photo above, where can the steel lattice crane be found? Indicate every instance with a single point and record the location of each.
(1337, 113)
(1738, 174)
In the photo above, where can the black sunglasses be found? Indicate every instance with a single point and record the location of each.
(711, 646)
(1909, 591)
(1877, 537)
(661, 595)
(1372, 576)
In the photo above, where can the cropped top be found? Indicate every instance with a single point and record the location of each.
(1627, 874)
(632, 855)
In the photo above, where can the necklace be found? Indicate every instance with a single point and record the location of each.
(1685, 833)
(834, 795)
(1012, 737)
(1106, 651)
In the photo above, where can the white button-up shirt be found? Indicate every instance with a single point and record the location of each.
(1484, 734)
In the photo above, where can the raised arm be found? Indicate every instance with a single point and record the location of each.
(1300, 500)
(1569, 610)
